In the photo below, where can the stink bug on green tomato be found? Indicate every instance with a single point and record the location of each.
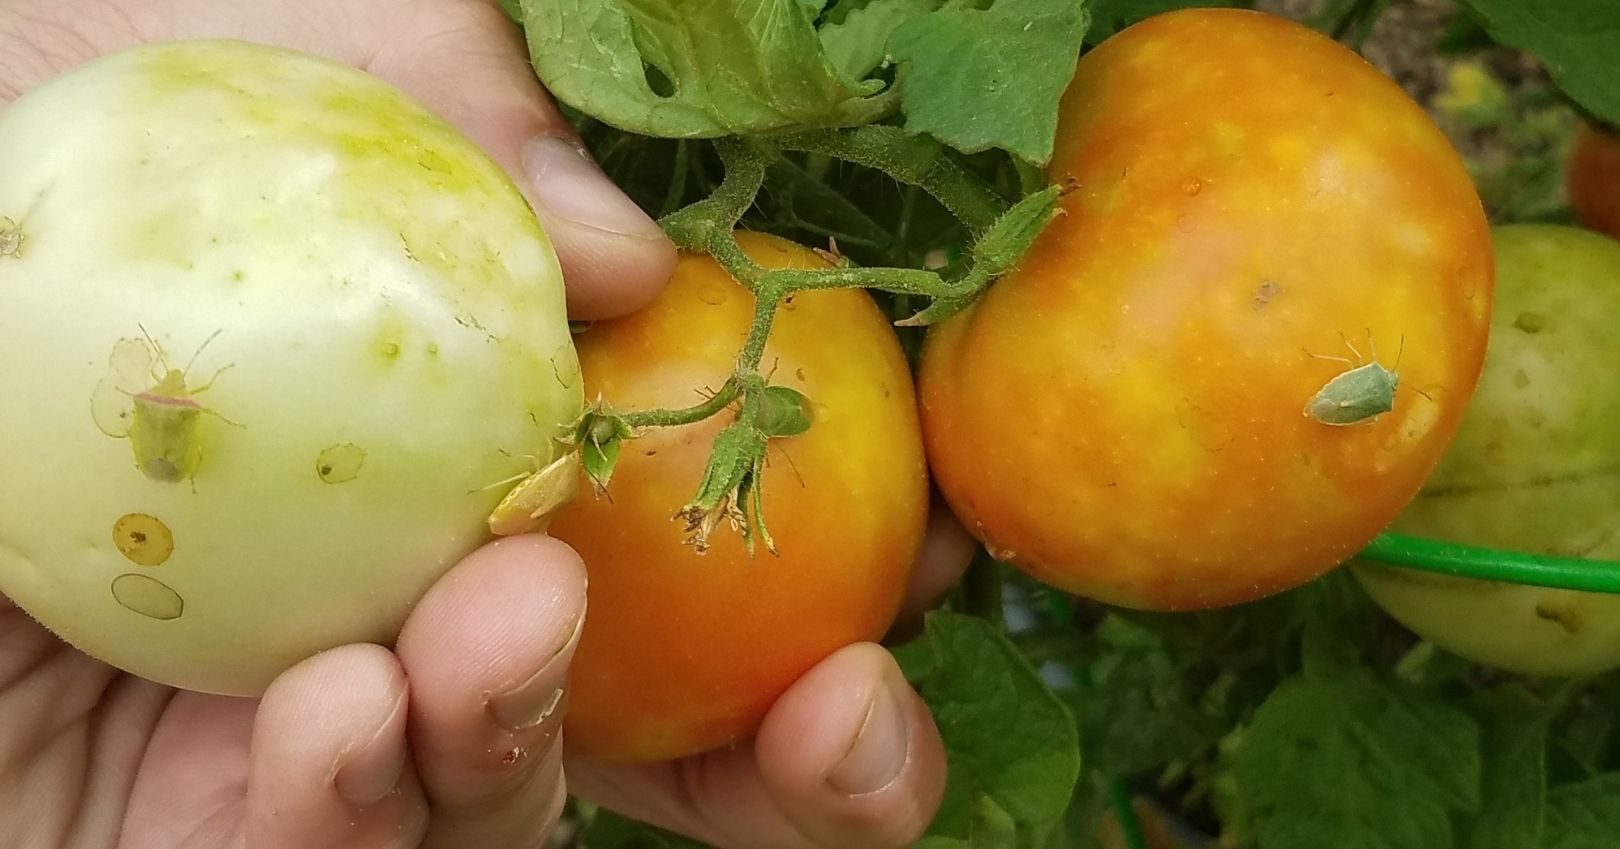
(160, 418)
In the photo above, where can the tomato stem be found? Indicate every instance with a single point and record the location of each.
(1001, 232)
(911, 158)
(727, 393)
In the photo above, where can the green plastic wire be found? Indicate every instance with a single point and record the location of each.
(1494, 564)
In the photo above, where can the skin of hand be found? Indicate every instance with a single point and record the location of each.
(451, 739)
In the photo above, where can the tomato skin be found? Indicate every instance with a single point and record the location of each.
(681, 652)
(1122, 416)
(1592, 178)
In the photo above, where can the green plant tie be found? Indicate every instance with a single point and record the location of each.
(1494, 564)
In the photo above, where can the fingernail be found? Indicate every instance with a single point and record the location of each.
(535, 699)
(570, 185)
(372, 770)
(881, 747)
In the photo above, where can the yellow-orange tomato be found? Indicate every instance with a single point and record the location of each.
(684, 652)
(1592, 177)
(1123, 416)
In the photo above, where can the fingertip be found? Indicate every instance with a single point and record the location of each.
(329, 764)
(947, 550)
(852, 753)
(467, 62)
(609, 275)
(488, 651)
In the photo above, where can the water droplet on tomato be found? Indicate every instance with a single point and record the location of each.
(1192, 186)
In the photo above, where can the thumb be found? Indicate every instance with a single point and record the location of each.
(466, 61)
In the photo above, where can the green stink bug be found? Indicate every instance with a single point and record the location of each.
(149, 402)
(1361, 393)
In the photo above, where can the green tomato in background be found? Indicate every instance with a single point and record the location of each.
(270, 332)
(1535, 466)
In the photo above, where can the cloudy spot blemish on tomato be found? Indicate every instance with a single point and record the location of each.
(712, 294)
(143, 539)
(147, 596)
(340, 463)
(1267, 290)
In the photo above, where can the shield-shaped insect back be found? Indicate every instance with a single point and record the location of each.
(1359, 394)
(143, 399)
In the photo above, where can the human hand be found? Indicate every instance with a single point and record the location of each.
(427, 744)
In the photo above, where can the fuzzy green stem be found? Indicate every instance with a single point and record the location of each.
(685, 415)
(698, 226)
(915, 159)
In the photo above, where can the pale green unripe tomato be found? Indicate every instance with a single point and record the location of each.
(1535, 466)
(269, 333)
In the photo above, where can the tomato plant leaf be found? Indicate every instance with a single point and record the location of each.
(858, 45)
(682, 70)
(1584, 815)
(1577, 40)
(1012, 744)
(1111, 16)
(979, 79)
(1138, 676)
(1338, 625)
(1378, 763)
(1513, 737)
(608, 830)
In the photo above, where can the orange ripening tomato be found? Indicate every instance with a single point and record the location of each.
(1592, 178)
(684, 652)
(1124, 415)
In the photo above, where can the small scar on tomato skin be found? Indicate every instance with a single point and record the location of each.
(1530, 322)
(799, 373)
(1566, 617)
(1267, 290)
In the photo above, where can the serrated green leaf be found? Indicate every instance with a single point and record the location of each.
(1577, 40)
(982, 79)
(1375, 763)
(1136, 675)
(1339, 625)
(1584, 815)
(1513, 745)
(859, 44)
(675, 69)
(1012, 744)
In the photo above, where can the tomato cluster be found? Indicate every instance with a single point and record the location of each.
(1230, 362)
